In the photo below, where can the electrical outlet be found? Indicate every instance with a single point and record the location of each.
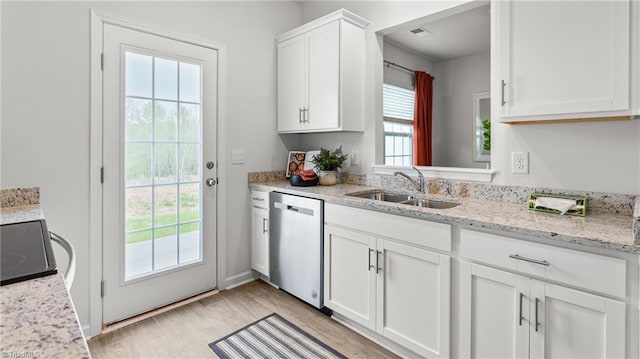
(355, 157)
(520, 162)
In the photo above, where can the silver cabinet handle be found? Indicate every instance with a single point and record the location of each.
(257, 199)
(537, 322)
(370, 266)
(520, 319)
(304, 115)
(378, 269)
(536, 261)
(502, 99)
(264, 226)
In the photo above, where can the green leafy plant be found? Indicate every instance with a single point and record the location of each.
(486, 143)
(329, 160)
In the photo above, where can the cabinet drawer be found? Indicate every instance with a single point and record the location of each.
(410, 230)
(260, 199)
(586, 270)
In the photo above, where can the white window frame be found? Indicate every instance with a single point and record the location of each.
(402, 121)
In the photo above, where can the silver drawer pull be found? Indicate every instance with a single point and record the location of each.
(536, 261)
(257, 199)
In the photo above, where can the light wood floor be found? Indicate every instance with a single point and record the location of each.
(185, 332)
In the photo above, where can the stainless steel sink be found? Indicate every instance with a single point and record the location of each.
(427, 203)
(383, 196)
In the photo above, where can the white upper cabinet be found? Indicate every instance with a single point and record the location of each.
(321, 75)
(564, 59)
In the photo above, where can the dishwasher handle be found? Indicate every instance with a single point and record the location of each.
(288, 207)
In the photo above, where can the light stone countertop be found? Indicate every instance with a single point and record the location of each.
(37, 317)
(609, 231)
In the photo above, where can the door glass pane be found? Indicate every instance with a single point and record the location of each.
(190, 242)
(138, 254)
(165, 247)
(138, 116)
(166, 163)
(138, 164)
(189, 83)
(166, 121)
(189, 162)
(163, 152)
(189, 202)
(189, 123)
(138, 73)
(138, 210)
(165, 205)
(166, 79)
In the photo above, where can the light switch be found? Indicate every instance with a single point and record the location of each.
(237, 157)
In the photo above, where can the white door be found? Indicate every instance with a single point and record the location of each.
(494, 313)
(260, 240)
(292, 84)
(566, 323)
(350, 264)
(324, 77)
(413, 304)
(159, 128)
(554, 61)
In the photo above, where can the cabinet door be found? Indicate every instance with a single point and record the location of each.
(494, 313)
(413, 306)
(574, 324)
(562, 57)
(349, 274)
(323, 112)
(292, 84)
(260, 240)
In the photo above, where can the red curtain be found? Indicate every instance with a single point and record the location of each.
(423, 119)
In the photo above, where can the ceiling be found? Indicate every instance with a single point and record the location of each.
(458, 35)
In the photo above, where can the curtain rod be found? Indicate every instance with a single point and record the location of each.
(389, 63)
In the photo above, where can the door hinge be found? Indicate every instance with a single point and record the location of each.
(102, 289)
(101, 174)
(102, 61)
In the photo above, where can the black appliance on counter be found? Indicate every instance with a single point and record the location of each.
(25, 251)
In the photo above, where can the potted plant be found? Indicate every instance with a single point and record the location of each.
(328, 162)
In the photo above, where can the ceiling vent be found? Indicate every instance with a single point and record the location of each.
(421, 31)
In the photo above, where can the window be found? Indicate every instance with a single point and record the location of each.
(397, 111)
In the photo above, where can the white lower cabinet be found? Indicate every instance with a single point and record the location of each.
(260, 232)
(505, 315)
(398, 290)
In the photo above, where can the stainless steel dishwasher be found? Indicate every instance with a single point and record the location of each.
(296, 246)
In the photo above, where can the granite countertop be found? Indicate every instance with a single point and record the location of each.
(610, 231)
(38, 317)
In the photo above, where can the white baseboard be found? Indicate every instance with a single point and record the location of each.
(239, 279)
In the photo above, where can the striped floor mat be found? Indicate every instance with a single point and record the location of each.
(272, 337)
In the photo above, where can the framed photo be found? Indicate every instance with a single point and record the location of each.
(295, 162)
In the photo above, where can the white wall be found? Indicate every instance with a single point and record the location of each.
(45, 112)
(456, 81)
(586, 156)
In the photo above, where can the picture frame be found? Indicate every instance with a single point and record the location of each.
(295, 162)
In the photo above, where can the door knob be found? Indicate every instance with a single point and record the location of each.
(211, 182)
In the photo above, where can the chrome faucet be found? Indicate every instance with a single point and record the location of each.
(419, 183)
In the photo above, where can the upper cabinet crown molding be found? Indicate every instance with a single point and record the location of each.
(553, 64)
(341, 14)
(321, 75)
